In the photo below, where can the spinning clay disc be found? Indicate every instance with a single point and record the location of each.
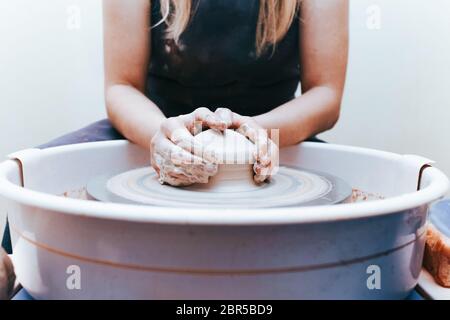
(289, 187)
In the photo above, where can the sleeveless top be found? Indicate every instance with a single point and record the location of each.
(214, 64)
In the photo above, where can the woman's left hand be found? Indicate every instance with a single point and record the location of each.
(267, 153)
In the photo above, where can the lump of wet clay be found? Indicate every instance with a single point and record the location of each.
(437, 247)
(235, 155)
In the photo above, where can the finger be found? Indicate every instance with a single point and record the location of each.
(208, 169)
(259, 137)
(248, 131)
(167, 156)
(165, 168)
(209, 119)
(180, 160)
(170, 175)
(175, 180)
(262, 173)
(274, 156)
(186, 141)
(260, 169)
(180, 176)
(176, 132)
(171, 156)
(201, 177)
(238, 120)
(266, 169)
(177, 128)
(154, 162)
(155, 159)
(225, 115)
(261, 142)
(175, 154)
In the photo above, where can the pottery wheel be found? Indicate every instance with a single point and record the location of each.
(291, 186)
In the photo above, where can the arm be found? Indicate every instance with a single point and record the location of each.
(323, 63)
(174, 153)
(127, 48)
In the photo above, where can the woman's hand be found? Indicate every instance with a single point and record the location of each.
(267, 153)
(175, 155)
(7, 276)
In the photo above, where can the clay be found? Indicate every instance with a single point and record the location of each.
(232, 187)
(235, 155)
(437, 256)
(291, 186)
(230, 147)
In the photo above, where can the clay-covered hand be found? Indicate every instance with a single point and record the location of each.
(178, 159)
(7, 276)
(267, 153)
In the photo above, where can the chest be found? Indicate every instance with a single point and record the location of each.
(219, 44)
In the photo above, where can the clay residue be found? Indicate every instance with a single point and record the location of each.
(80, 194)
(359, 196)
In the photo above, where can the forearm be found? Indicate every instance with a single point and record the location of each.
(133, 114)
(315, 111)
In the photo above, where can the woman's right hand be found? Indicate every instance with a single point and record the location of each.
(178, 159)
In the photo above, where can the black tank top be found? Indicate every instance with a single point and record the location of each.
(215, 64)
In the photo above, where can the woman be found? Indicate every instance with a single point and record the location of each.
(165, 58)
(239, 61)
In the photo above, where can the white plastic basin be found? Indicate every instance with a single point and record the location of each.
(145, 252)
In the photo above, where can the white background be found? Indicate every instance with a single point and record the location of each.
(397, 96)
(51, 76)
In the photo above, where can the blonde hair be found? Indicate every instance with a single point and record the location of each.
(275, 18)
